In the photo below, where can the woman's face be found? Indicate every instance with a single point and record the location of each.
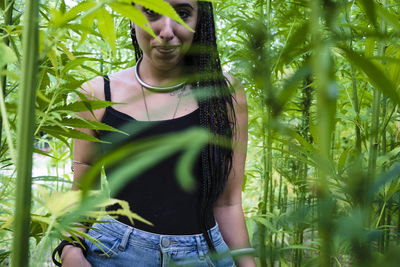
(175, 38)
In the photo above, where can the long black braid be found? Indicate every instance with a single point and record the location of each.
(216, 160)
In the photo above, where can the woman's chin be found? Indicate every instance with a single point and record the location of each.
(167, 63)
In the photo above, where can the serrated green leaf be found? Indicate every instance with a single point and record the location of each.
(88, 124)
(394, 64)
(69, 133)
(38, 151)
(51, 179)
(290, 85)
(85, 105)
(393, 189)
(134, 14)
(106, 28)
(66, 51)
(53, 59)
(388, 17)
(86, 26)
(266, 223)
(296, 40)
(161, 7)
(7, 55)
(374, 74)
(76, 62)
(369, 47)
(343, 158)
(56, 17)
(299, 247)
(74, 12)
(369, 8)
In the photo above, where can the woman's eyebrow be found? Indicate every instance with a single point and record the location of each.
(183, 5)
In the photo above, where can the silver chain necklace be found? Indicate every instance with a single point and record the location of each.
(147, 109)
(155, 88)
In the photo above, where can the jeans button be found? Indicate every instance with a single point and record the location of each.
(165, 242)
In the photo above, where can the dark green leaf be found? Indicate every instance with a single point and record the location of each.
(68, 133)
(374, 74)
(85, 105)
(369, 8)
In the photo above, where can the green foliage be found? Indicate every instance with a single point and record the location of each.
(326, 62)
(322, 80)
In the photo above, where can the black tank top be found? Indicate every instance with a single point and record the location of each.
(155, 194)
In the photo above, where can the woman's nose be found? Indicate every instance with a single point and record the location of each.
(166, 29)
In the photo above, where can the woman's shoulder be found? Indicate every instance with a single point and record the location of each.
(238, 92)
(123, 78)
(94, 88)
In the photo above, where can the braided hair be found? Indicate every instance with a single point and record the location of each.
(216, 161)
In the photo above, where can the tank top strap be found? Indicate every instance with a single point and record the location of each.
(107, 90)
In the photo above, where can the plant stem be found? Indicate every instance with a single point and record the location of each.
(4, 120)
(326, 108)
(9, 4)
(25, 129)
(354, 89)
(374, 134)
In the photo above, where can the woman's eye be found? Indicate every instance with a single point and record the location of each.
(184, 14)
(150, 12)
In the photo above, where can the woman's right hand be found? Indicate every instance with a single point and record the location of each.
(73, 257)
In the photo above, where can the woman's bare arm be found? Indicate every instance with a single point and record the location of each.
(83, 159)
(84, 151)
(228, 209)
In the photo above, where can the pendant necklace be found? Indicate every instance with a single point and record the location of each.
(147, 109)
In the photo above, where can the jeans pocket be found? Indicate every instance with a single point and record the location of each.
(190, 259)
(223, 257)
(106, 245)
(209, 261)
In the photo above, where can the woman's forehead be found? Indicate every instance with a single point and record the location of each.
(173, 3)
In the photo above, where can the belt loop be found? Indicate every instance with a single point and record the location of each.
(199, 248)
(125, 239)
(210, 233)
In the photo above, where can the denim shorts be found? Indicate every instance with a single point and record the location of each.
(123, 245)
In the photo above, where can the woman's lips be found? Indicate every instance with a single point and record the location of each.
(166, 49)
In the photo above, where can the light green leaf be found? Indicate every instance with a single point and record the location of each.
(161, 7)
(81, 7)
(299, 247)
(295, 41)
(342, 159)
(106, 28)
(88, 124)
(266, 223)
(86, 26)
(7, 55)
(76, 62)
(68, 133)
(388, 17)
(374, 74)
(134, 14)
(52, 55)
(369, 8)
(393, 63)
(290, 85)
(369, 47)
(85, 105)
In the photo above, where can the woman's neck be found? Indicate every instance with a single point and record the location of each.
(150, 74)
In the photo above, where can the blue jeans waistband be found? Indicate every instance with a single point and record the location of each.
(153, 240)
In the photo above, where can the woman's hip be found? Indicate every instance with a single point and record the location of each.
(122, 245)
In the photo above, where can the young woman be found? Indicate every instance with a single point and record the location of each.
(160, 92)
